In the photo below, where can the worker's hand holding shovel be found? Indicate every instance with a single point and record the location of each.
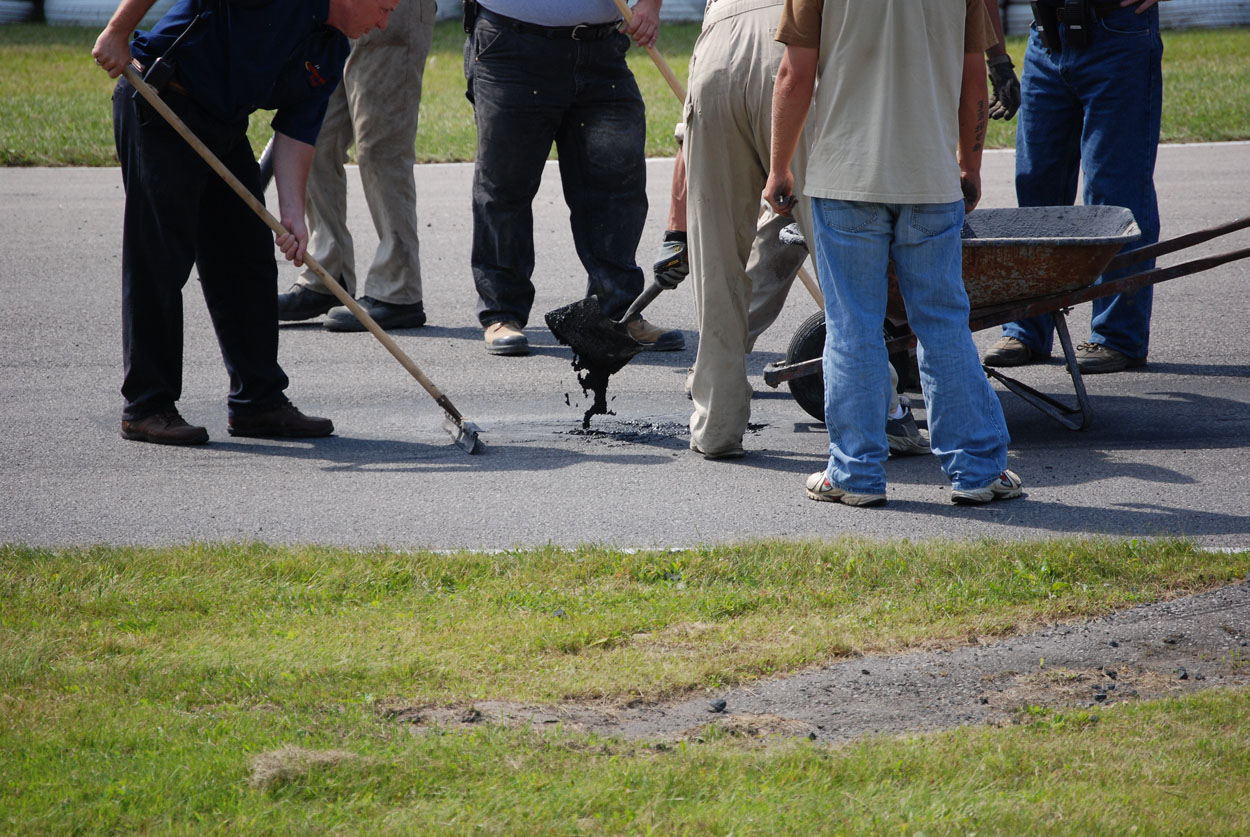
(779, 191)
(643, 23)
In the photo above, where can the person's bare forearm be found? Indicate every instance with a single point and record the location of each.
(292, 160)
(792, 98)
(677, 197)
(973, 119)
(999, 48)
(112, 47)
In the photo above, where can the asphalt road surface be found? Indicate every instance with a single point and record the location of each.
(1167, 454)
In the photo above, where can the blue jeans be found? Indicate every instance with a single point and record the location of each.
(1096, 109)
(855, 243)
(529, 91)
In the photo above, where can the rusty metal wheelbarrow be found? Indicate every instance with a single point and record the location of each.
(1017, 263)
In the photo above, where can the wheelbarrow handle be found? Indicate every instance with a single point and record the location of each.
(1162, 248)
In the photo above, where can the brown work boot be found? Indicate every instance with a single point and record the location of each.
(653, 338)
(164, 428)
(506, 338)
(1009, 351)
(281, 422)
(1095, 359)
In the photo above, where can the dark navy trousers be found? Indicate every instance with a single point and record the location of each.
(180, 214)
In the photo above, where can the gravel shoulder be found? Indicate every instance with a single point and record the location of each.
(1166, 649)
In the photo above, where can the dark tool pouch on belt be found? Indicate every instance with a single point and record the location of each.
(1046, 17)
(470, 16)
(1078, 17)
(161, 73)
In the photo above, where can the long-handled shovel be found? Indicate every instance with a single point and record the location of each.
(463, 433)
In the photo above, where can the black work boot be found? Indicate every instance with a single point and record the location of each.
(303, 303)
(388, 315)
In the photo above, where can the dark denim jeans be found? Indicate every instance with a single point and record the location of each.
(1096, 109)
(529, 91)
(180, 214)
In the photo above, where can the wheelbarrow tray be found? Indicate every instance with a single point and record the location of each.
(1014, 254)
(1020, 263)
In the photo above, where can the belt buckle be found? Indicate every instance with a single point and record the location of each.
(580, 31)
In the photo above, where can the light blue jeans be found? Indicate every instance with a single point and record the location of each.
(1095, 109)
(855, 243)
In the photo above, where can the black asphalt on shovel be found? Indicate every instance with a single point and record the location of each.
(596, 339)
(463, 433)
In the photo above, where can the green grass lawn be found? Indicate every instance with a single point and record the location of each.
(139, 688)
(54, 101)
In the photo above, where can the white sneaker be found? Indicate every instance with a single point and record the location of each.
(1008, 486)
(819, 488)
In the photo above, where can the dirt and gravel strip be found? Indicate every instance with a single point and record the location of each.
(1158, 650)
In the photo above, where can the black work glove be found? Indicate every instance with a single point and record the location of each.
(1005, 100)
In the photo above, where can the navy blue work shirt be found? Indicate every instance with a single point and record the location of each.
(247, 55)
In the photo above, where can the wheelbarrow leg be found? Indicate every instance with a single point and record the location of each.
(1073, 418)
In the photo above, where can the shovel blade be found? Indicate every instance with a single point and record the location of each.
(464, 434)
(593, 337)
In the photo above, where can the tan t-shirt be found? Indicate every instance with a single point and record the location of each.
(886, 109)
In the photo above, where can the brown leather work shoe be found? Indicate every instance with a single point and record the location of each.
(285, 421)
(655, 339)
(506, 338)
(1095, 358)
(164, 428)
(1008, 351)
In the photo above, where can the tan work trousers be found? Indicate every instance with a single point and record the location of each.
(376, 108)
(741, 273)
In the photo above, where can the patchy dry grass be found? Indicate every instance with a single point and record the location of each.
(243, 689)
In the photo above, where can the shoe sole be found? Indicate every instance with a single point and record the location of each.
(508, 349)
(714, 457)
(1007, 363)
(279, 433)
(1103, 369)
(862, 501)
(132, 436)
(386, 325)
(675, 344)
(289, 318)
(967, 500)
(903, 446)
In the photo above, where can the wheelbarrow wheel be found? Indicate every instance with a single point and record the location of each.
(807, 343)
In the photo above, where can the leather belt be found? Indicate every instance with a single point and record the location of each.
(580, 32)
(1100, 10)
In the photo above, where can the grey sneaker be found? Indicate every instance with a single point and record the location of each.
(1008, 486)
(819, 488)
(1009, 351)
(905, 438)
(1095, 358)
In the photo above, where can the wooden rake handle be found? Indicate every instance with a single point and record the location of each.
(265, 215)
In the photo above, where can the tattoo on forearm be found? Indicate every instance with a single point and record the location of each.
(982, 124)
